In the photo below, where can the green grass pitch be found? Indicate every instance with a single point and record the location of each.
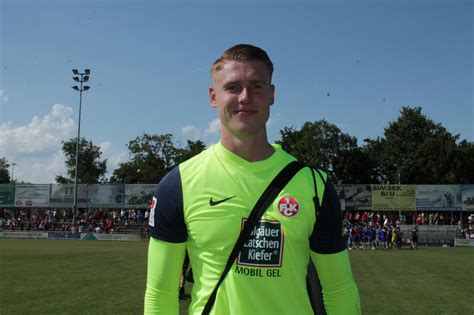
(82, 277)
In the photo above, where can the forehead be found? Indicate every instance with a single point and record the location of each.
(231, 70)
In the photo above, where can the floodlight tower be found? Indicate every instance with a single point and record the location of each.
(80, 77)
(13, 168)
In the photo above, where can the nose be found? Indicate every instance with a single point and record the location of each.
(245, 96)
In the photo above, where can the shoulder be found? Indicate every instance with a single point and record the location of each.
(317, 175)
(197, 158)
(327, 233)
(169, 182)
(166, 215)
(196, 164)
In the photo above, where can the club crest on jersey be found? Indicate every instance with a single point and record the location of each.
(151, 219)
(288, 206)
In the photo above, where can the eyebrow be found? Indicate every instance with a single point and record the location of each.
(238, 82)
(259, 81)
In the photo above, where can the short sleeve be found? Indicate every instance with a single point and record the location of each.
(166, 220)
(327, 232)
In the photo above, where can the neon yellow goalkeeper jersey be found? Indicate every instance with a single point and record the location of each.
(205, 203)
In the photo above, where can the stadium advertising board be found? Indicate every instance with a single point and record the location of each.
(62, 195)
(59, 235)
(24, 235)
(393, 197)
(105, 195)
(438, 197)
(464, 242)
(30, 195)
(351, 197)
(7, 195)
(467, 198)
(110, 237)
(355, 197)
(139, 195)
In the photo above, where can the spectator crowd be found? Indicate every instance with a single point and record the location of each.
(87, 220)
(382, 230)
(362, 229)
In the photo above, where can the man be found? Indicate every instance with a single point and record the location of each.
(414, 237)
(366, 236)
(202, 205)
(399, 237)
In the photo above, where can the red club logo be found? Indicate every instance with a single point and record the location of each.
(153, 204)
(288, 206)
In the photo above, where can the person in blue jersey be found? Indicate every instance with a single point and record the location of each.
(372, 236)
(382, 237)
(365, 236)
(414, 237)
(399, 233)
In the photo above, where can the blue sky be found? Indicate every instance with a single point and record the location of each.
(353, 63)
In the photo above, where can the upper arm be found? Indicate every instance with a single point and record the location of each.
(166, 216)
(330, 257)
(167, 246)
(327, 232)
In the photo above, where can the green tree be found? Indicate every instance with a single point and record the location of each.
(4, 173)
(152, 157)
(91, 168)
(373, 151)
(416, 150)
(127, 172)
(192, 148)
(463, 164)
(323, 145)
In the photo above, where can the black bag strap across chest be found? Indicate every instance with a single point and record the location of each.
(265, 200)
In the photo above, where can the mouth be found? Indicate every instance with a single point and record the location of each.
(245, 112)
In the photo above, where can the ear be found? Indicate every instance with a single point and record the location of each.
(212, 95)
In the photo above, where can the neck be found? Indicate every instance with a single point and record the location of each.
(251, 148)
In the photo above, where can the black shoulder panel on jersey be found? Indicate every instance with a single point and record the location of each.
(168, 217)
(327, 232)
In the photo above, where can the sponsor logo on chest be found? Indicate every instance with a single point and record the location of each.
(264, 247)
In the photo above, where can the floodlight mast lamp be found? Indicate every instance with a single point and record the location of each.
(81, 78)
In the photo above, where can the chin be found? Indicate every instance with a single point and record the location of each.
(248, 131)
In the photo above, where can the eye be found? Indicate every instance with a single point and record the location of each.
(232, 88)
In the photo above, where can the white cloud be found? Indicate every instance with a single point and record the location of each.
(214, 127)
(56, 165)
(36, 146)
(191, 131)
(113, 157)
(40, 135)
(113, 160)
(105, 146)
(3, 97)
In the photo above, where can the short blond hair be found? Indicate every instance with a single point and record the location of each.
(243, 52)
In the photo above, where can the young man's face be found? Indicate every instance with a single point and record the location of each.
(242, 93)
